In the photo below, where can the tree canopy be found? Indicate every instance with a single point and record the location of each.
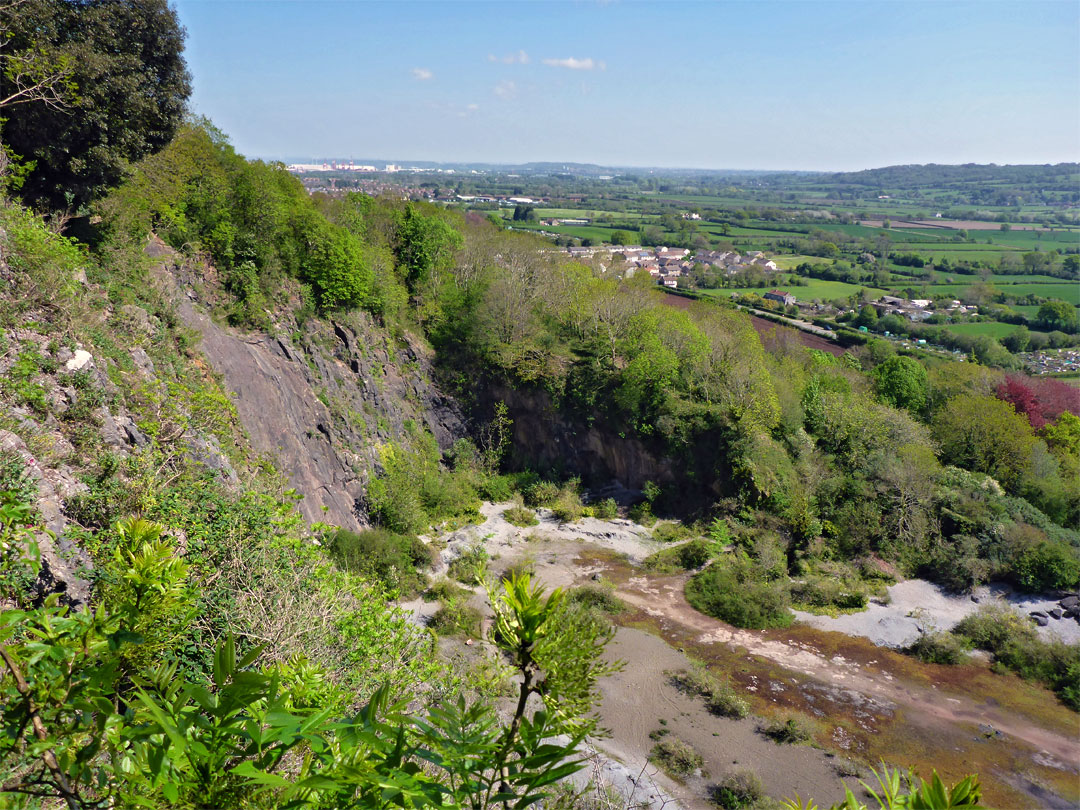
(122, 95)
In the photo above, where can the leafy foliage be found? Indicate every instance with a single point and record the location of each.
(128, 88)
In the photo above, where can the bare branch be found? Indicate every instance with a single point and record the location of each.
(35, 81)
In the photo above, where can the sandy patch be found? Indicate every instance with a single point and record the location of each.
(919, 606)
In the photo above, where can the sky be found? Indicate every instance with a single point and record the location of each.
(723, 85)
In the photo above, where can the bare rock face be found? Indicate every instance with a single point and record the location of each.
(321, 401)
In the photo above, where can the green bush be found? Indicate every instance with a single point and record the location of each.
(939, 648)
(395, 560)
(676, 757)
(736, 790)
(720, 697)
(456, 618)
(726, 702)
(670, 531)
(687, 556)
(541, 493)
(594, 597)
(1016, 646)
(735, 590)
(605, 509)
(445, 590)
(470, 566)
(823, 592)
(520, 516)
(1046, 566)
(415, 490)
(568, 507)
(641, 512)
(787, 731)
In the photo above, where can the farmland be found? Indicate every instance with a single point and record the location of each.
(815, 289)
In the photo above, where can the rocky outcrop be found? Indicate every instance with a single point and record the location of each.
(319, 397)
(64, 567)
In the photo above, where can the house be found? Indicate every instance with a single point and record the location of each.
(671, 282)
(783, 296)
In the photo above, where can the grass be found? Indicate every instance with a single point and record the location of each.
(1065, 290)
(990, 328)
(814, 289)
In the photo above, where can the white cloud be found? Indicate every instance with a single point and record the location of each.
(506, 89)
(472, 107)
(519, 58)
(588, 63)
(422, 74)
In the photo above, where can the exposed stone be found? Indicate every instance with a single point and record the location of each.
(1055, 613)
(59, 558)
(1070, 602)
(80, 360)
(142, 361)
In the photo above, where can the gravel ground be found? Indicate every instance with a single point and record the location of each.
(918, 606)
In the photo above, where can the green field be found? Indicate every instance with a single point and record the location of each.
(814, 290)
(989, 328)
(1065, 290)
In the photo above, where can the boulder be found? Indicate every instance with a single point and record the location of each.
(1040, 620)
(1070, 602)
(80, 360)
(1055, 613)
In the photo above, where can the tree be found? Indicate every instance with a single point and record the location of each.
(32, 75)
(1057, 314)
(902, 382)
(125, 59)
(867, 317)
(986, 435)
(1017, 340)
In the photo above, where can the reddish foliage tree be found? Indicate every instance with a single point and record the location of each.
(1021, 396)
(1055, 397)
(1041, 401)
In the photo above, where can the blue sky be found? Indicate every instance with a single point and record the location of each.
(743, 85)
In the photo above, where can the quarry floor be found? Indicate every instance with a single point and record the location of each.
(866, 703)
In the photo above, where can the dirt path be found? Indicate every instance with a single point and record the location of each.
(665, 599)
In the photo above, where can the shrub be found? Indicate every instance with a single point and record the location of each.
(726, 702)
(825, 592)
(395, 560)
(524, 568)
(605, 509)
(641, 512)
(568, 508)
(787, 731)
(598, 598)
(541, 493)
(520, 516)
(720, 697)
(445, 590)
(496, 488)
(939, 648)
(670, 531)
(736, 591)
(456, 618)
(676, 757)
(738, 789)
(1047, 565)
(688, 556)
(470, 566)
